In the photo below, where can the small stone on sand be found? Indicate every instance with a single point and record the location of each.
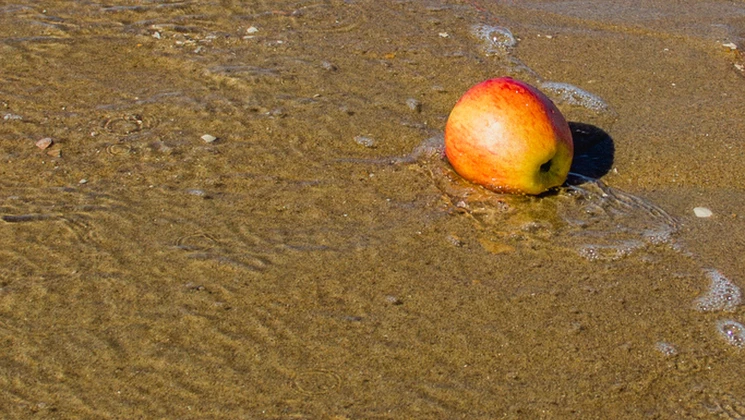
(394, 300)
(208, 138)
(44, 143)
(414, 105)
(702, 212)
(329, 66)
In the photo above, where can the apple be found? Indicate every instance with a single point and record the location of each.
(509, 137)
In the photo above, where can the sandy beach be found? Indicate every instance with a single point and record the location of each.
(237, 210)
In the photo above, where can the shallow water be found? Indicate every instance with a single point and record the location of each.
(308, 264)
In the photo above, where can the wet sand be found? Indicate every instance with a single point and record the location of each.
(306, 265)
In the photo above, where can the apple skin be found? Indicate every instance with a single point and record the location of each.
(509, 137)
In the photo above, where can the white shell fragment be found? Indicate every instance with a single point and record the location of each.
(208, 138)
(730, 45)
(702, 212)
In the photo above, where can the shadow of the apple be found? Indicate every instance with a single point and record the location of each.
(593, 152)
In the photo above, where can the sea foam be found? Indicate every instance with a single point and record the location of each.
(732, 331)
(572, 95)
(723, 295)
(497, 39)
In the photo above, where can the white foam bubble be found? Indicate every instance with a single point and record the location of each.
(431, 147)
(663, 235)
(723, 295)
(612, 252)
(732, 331)
(497, 39)
(572, 95)
(666, 348)
(365, 141)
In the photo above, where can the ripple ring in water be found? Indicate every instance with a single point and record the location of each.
(317, 382)
(196, 242)
(129, 124)
(118, 149)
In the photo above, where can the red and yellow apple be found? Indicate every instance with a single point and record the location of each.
(509, 137)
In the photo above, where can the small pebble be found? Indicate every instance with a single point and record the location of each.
(329, 66)
(394, 300)
(208, 138)
(44, 143)
(414, 105)
(702, 212)
(444, 34)
(83, 181)
(252, 30)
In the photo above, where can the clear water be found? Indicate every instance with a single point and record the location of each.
(319, 258)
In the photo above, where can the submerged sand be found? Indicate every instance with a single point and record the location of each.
(301, 263)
